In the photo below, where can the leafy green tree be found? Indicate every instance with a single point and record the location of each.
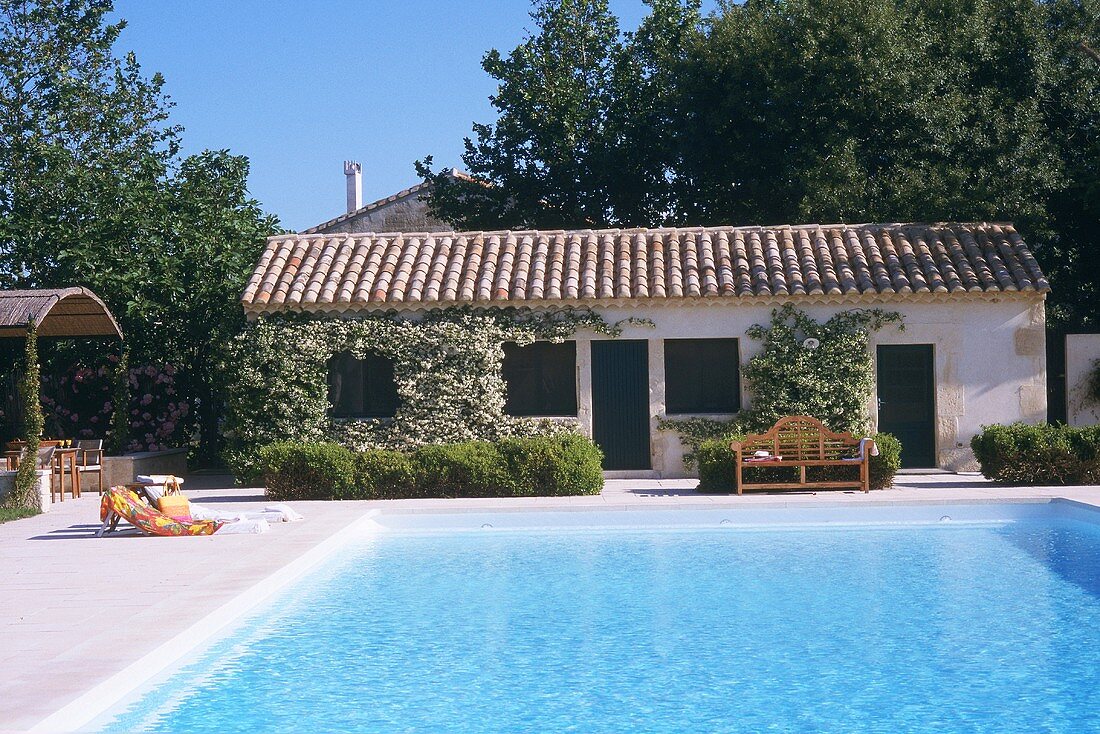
(84, 146)
(865, 110)
(573, 102)
(1072, 112)
(554, 90)
(794, 111)
(641, 152)
(217, 234)
(93, 192)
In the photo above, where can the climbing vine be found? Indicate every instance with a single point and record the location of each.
(25, 493)
(831, 378)
(832, 382)
(447, 366)
(1092, 383)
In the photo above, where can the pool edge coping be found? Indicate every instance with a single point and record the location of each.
(101, 698)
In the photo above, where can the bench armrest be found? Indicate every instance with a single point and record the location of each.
(867, 448)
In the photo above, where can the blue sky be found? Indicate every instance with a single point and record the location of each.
(299, 86)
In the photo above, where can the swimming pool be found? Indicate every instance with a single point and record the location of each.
(960, 619)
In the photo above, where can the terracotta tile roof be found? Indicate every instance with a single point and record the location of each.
(370, 271)
(419, 188)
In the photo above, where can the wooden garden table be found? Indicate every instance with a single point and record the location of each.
(61, 455)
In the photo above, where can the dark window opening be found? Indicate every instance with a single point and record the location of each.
(362, 388)
(541, 379)
(702, 376)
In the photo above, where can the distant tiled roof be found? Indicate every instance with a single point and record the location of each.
(419, 188)
(370, 271)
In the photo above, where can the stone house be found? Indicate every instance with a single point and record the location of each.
(405, 211)
(972, 297)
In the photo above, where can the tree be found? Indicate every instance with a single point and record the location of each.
(93, 192)
(1072, 113)
(84, 145)
(574, 101)
(795, 111)
(217, 235)
(866, 110)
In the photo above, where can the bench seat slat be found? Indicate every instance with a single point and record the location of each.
(800, 485)
(792, 463)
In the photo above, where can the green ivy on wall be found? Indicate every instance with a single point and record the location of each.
(447, 366)
(25, 493)
(1092, 383)
(832, 381)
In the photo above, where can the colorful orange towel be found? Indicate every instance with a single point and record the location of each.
(126, 505)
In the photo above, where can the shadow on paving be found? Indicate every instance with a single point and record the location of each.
(766, 493)
(948, 485)
(661, 492)
(81, 532)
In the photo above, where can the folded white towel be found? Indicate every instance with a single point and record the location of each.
(271, 513)
(863, 443)
(202, 512)
(244, 527)
(286, 512)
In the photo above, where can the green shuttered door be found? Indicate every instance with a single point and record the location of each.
(620, 402)
(907, 401)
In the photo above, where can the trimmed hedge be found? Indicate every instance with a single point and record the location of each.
(716, 466)
(382, 475)
(1040, 454)
(886, 464)
(311, 471)
(555, 467)
(469, 469)
(716, 463)
(566, 464)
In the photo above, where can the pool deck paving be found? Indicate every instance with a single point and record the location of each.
(79, 614)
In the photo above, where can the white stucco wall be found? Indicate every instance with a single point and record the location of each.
(1081, 351)
(989, 353)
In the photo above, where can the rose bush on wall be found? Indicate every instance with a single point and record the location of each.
(80, 403)
(447, 366)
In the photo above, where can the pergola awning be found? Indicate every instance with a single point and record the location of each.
(59, 312)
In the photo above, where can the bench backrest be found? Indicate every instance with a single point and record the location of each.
(801, 438)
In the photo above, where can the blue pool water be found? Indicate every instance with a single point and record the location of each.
(935, 628)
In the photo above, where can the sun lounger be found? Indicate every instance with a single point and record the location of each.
(119, 503)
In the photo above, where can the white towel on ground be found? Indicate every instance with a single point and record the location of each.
(251, 527)
(270, 513)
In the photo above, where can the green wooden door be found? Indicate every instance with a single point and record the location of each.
(620, 402)
(907, 401)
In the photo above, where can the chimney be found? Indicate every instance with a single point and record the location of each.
(354, 173)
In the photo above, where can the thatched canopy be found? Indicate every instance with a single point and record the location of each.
(56, 312)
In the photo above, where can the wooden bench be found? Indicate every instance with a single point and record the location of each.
(801, 441)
